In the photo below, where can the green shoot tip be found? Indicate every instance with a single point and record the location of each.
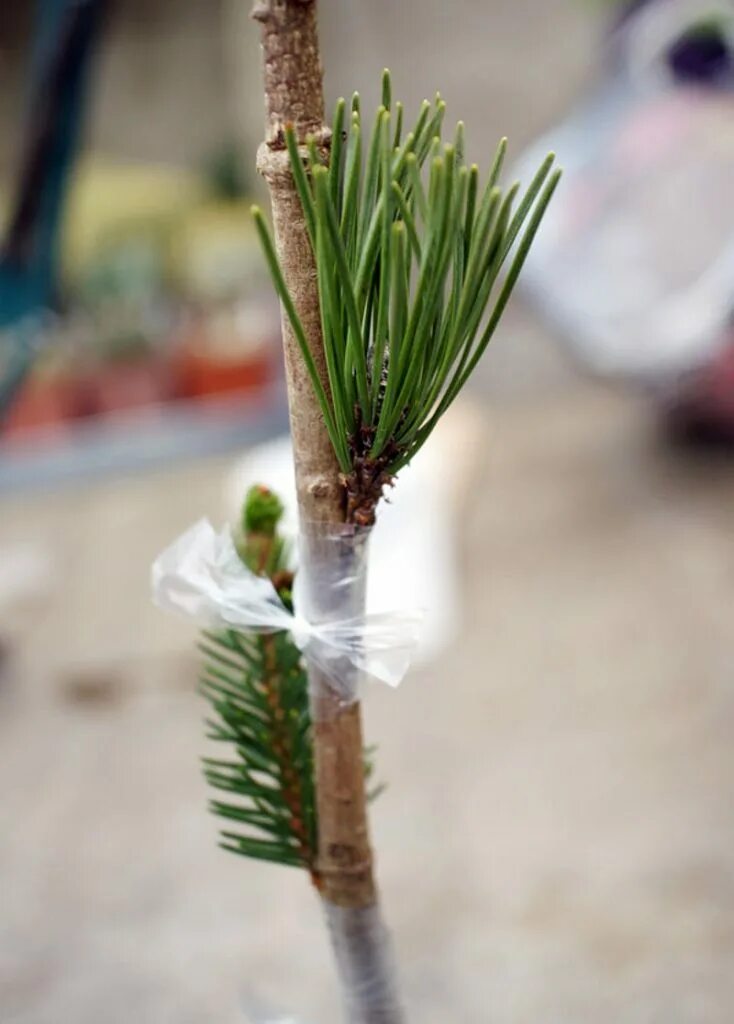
(262, 511)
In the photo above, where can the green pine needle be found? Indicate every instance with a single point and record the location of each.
(415, 265)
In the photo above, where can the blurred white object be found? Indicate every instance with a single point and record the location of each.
(412, 550)
(25, 574)
(258, 1012)
(635, 260)
(274, 1020)
(654, 29)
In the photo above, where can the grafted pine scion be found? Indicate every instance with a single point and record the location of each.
(416, 260)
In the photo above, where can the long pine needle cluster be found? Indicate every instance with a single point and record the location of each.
(409, 252)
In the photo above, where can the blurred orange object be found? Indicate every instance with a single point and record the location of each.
(225, 353)
(46, 399)
(128, 385)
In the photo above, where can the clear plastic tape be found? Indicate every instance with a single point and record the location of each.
(330, 591)
(202, 577)
(364, 955)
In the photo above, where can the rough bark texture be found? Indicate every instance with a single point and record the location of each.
(293, 88)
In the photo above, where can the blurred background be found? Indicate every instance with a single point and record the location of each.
(556, 840)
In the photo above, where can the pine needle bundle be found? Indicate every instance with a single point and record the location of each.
(409, 253)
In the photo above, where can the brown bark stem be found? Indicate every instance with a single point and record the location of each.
(294, 95)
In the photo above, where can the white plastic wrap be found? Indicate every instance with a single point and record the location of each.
(366, 963)
(413, 549)
(331, 589)
(202, 577)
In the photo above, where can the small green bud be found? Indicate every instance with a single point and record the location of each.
(262, 511)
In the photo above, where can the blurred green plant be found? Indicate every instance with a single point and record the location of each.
(226, 173)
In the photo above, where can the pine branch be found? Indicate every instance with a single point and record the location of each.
(408, 260)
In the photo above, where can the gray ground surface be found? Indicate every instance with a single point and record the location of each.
(555, 844)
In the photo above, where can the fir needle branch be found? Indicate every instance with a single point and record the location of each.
(263, 708)
(257, 689)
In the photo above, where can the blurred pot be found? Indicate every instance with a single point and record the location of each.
(118, 386)
(232, 350)
(47, 399)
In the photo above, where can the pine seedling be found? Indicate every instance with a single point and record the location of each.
(394, 269)
(415, 266)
